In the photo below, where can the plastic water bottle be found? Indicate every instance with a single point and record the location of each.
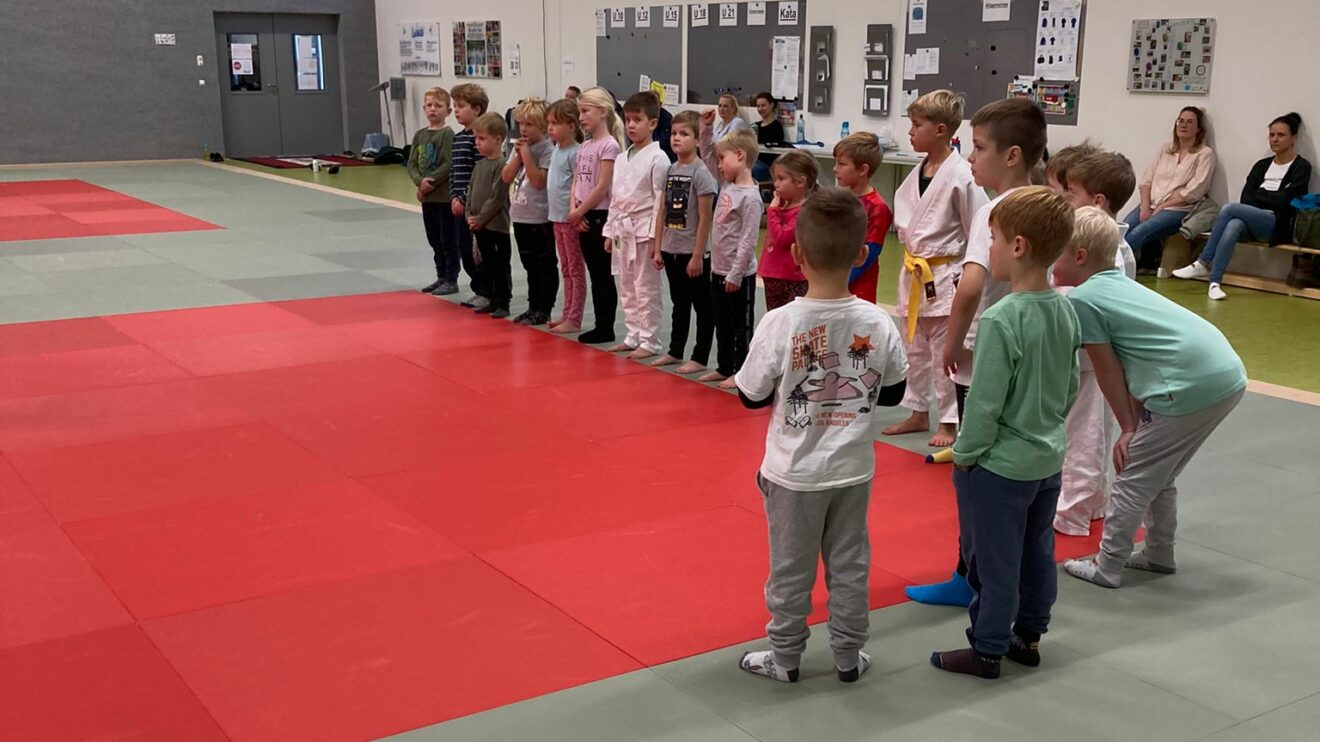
(316, 165)
(843, 131)
(802, 128)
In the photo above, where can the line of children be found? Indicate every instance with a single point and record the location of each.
(856, 158)
(935, 208)
(680, 247)
(637, 187)
(795, 177)
(527, 171)
(429, 162)
(488, 214)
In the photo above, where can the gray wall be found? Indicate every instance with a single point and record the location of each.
(82, 80)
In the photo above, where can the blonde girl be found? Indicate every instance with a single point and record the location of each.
(590, 202)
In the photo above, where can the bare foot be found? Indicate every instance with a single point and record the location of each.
(919, 422)
(712, 376)
(620, 347)
(691, 367)
(552, 324)
(566, 328)
(640, 354)
(665, 360)
(728, 383)
(944, 436)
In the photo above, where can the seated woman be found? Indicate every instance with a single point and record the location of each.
(1173, 183)
(1266, 211)
(769, 133)
(715, 125)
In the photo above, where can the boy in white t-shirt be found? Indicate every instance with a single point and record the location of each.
(824, 362)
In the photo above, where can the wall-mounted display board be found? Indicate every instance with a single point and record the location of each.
(639, 42)
(984, 55)
(820, 61)
(745, 48)
(1172, 55)
(419, 48)
(878, 60)
(477, 49)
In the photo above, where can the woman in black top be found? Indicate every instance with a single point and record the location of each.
(1265, 211)
(769, 133)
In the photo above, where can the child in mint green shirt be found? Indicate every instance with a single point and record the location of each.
(1009, 452)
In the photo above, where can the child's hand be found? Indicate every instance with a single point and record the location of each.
(426, 186)
(1121, 452)
(456, 207)
(524, 150)
(472, 224)
(420, 196)
(695, 267)
(708, 117)
(729, 288)
(609, 245)
(954, 357)
(656, 260)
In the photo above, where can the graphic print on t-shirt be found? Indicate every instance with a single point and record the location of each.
(678, 194)
(827, 385)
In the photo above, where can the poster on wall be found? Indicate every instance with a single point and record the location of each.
(1171, 55)
(477, 49)
(419, 48)
(1058, 36)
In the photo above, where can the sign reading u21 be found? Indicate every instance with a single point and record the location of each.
(788, 14)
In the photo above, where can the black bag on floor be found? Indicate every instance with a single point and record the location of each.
(390, 156)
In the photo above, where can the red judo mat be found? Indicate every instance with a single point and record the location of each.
(52, 209)
(344, 518)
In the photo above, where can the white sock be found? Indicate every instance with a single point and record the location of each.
(764, 664)
(1087, 569)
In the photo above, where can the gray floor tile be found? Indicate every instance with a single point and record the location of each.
(231, 262)
(76, 261)
(360, 214)
(63, 246)
(412, 277)
(633, 707)
(1219, 485)
(1296, 722)
(310, 286)
(383, 258)
(1284, 537)
(15, 281)
(1268, 429)
(136, 279)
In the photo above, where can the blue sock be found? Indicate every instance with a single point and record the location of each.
(955, 592)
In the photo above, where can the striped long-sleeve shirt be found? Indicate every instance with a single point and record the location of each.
(464, 158)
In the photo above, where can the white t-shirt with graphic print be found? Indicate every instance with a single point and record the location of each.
(824, 360)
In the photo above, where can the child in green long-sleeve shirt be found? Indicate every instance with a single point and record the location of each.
(1009, 452)
(429, 162)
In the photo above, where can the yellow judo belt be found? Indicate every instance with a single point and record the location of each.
(923, 282)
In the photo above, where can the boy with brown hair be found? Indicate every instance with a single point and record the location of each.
(1008, 139)
(488, 213)
(825, 361)
(1010, 450)
(470, 102)
(856, 158)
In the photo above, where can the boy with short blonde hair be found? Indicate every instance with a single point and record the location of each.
(1010, 450)
(934, 210)
(856, 158)
(527, 171)
(824, 361)
(429, 163)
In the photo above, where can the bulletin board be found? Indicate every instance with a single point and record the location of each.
(736, 52)
(628, 48)
(419, 49)
(477, 49)
(980, 51)
(1172, 55)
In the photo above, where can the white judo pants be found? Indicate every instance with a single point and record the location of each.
(1091, 431)
(639, 292)
(924, 371)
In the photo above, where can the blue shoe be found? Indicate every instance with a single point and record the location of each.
(954, 592)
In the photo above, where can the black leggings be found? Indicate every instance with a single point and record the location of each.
(735, 316)
(495, 266)
(536, 250)
(687, 294)
(604, 295)
(960, 393)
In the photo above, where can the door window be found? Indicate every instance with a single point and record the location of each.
(244, 63)
(307, 61)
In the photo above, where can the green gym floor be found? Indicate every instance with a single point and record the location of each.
(1268, 330)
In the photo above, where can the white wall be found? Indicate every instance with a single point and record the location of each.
(1261, 69)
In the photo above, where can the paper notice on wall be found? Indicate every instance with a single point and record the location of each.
(673, 13)
(602, 25)
(917, 17)
(700, 15)
(618, 18)
(788, 14)
(242, 66)
(644, 83)
(909, 66)
(671, 95)
(305, 46)
(784, 65)
(309, 81)
(756, 14)
(658, 88)
(567, 69)
(1058, 29)
(995, 10)
(309, 66)
(642, 16)
(728, 14)
(240, 51)
(515, 61)
(928, 61)
(909, 97)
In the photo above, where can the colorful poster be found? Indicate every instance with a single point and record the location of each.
(916, 17)
(419, 48)
(1172, 55)
(1058, 37)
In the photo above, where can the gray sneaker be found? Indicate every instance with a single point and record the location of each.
(478, 302)
(445, 289)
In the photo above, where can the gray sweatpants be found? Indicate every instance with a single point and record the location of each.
(1146, 492)
(806, 528)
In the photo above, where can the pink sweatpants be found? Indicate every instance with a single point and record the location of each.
(574, 270)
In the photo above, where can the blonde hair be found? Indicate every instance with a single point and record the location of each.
(565, 111)
(599, 97)
(533, 110)
(863, 148)
(1097, 233)
(941, 106)
(799, 164)
(737, 107)
(440, 94)
(740, 140)
(491, 124)
(1040, 216)
(831, 229)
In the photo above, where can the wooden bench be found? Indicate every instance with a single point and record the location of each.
(1255, 265)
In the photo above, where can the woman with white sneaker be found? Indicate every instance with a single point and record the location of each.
(1265, 211)
(1174, 182)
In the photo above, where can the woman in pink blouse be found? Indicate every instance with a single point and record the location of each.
(1172, 184)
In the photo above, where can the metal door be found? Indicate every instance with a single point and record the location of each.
(311, 105)
(248, 84)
